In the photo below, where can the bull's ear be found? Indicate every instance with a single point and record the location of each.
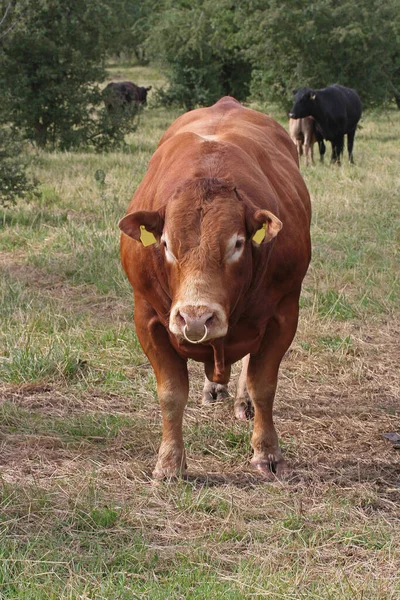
(148, 88)
(144, 225)
(313, 96)
(264, 226)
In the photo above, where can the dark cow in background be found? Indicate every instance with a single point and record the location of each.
(117, 95)
(304, 133)
(336, 109)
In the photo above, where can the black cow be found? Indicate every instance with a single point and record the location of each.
(117, 95)
(336, 110)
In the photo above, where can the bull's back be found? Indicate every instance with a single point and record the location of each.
(230, 121)
(245, 136)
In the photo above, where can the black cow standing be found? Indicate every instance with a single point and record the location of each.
(336, 110)
(117, 95)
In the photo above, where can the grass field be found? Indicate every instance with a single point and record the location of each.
(80, 425)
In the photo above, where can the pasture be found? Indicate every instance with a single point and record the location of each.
(80, 424)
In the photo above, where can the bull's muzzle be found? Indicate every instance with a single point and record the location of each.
(198, 323)
(194, 323)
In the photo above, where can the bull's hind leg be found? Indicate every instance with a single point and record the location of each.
(172, 387)
(262, 378)
(243, 406)
(214, 392)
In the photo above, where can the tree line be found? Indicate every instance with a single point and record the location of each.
(267, 48)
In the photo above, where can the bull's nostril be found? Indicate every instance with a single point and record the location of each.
(210, 321)
(180, 319)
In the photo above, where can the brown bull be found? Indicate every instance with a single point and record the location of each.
(215, 245)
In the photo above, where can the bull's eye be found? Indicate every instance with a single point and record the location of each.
(239, 244)
(168, 254)
(234, 248)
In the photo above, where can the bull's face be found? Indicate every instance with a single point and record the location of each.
(207, 246)
(304, 102)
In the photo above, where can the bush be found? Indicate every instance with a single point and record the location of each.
(52, 56)
(14, 181)
(197, 43)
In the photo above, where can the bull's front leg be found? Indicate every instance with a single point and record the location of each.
(262, 376)
(172, 386)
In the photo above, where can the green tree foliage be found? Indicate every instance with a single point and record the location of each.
(132, 27)
(197, 43)
(52, 58)
(292, 43)
(214, 48)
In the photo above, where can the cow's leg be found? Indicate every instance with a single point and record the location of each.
(214, 392)
(243, 406)
(322, 150)
(172, 386)
(299, 147)
(340, 147)
(307, 152)
(350, 143)
(312, 153)
(337, 149)
(308, 148)
(334, 158)
(262, 381)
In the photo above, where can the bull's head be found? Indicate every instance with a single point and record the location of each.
(206, 234)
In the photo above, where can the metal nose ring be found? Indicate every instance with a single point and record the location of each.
(195, 341)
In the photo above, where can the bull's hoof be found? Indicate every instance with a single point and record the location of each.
(244, 410)
(162, 472)
(214, 392)
(272, 469)
(171, 462)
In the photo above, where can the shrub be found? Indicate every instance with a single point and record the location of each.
(14, 181)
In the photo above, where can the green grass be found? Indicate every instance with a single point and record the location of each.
(104, 550)
(80, 425)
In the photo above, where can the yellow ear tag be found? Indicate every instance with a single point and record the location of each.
(146, 237)
(260, 234)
